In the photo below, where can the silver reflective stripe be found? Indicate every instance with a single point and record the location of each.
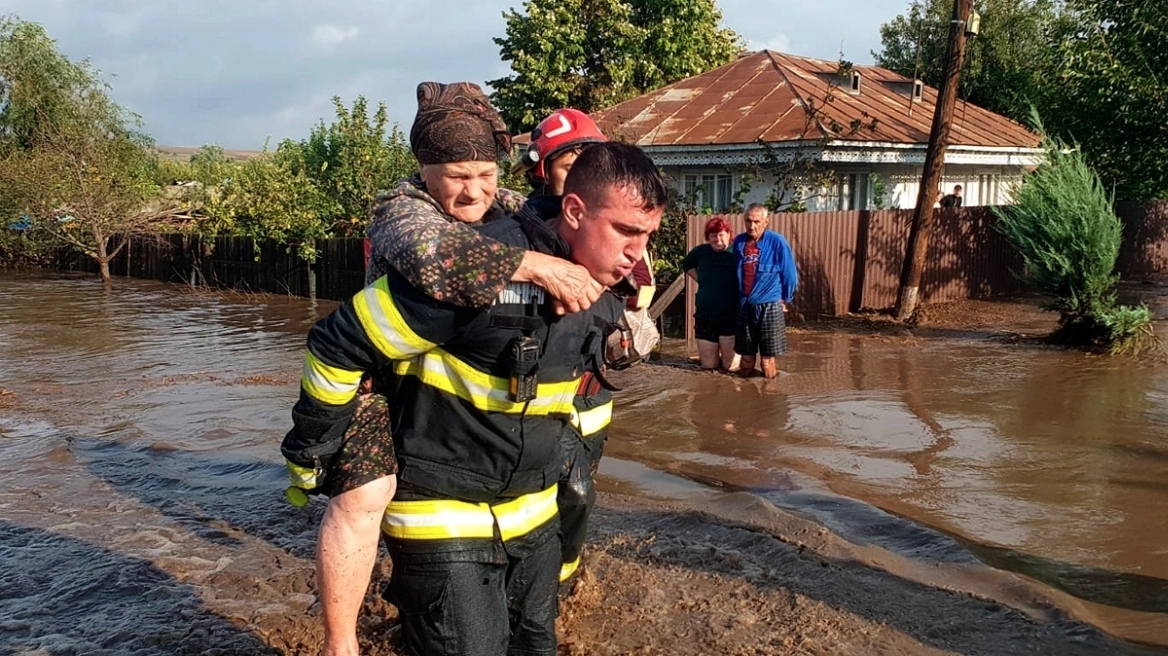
(328, 383)
(442, 370)
(521, 293)
(524, 514)
(389, 331)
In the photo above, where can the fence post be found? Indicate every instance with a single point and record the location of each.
(311, 279)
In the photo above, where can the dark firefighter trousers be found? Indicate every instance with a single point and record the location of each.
(576, 495)
(464, 605)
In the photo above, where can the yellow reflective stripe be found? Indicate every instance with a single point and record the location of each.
(521, 515)
(445, 520)
(303, 477)
(442, 370)
(568, 569)
(384, 324)
(437, 520)
(328, 384)
(591, 422)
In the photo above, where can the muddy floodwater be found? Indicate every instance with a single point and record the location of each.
(141, 507)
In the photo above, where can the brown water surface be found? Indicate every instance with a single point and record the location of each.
(1041, 461)
(141, 504)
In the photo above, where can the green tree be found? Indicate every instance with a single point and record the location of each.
(210, 166)
(1095, 69)
(88, 184)
(668, 244)
(591, 54)
(267, 197)
(353, 159)
(72, 160)
(1112, 93)
(39, 87)
(1008, 65)
(1063, 225)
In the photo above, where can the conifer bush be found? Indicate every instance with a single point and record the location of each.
(1064, 226)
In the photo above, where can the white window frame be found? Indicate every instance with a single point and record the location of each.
(709, 189)
(854, 192)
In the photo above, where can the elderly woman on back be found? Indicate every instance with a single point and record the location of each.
(424, 227)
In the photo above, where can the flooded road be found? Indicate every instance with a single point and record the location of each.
(142, 505)
(1049, 463)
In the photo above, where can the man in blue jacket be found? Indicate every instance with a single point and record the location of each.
(767, 280)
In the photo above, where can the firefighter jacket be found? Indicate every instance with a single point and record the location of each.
(458, 435)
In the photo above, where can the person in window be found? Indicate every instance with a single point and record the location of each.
(953, 199)
(713, 267)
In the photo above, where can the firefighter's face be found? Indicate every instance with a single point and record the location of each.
(609, 235)
(465, 190)
(557, 171)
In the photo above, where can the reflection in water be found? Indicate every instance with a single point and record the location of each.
(147, 420)
(1120, 589)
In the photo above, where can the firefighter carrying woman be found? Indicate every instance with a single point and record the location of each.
(488, 378)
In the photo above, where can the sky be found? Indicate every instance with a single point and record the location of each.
(237, 73)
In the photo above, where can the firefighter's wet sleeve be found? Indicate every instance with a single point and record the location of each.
(367, 332)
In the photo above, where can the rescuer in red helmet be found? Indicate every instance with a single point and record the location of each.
(555, 144)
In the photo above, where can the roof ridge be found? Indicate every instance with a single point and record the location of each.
(803, 57)
(807, 110)
(777, 97)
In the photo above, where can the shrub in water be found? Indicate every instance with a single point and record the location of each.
(1064, 227)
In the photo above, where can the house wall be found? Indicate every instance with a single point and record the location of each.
(982, 185)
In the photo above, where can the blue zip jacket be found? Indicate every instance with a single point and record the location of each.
(776, 277)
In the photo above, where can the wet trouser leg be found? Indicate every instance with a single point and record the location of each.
(451, 609)
(576, 495)
(532, 603)
(480, 609)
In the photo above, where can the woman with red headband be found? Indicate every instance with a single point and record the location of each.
(713, 267)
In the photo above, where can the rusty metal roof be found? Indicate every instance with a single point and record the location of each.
(777, 97)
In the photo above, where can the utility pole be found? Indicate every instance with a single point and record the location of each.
(922, 221)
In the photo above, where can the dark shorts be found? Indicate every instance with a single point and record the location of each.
(367, 453)
(709, 329)
(762, 329)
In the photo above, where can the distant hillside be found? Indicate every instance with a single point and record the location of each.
(183, 153)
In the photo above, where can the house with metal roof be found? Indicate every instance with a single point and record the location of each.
(772, 126)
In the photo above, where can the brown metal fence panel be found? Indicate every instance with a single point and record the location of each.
(975, 259)
(886, 234)
(850, 261)
(824, 246)
(1145, 243)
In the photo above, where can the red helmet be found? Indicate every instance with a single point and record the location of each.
(562, 130)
